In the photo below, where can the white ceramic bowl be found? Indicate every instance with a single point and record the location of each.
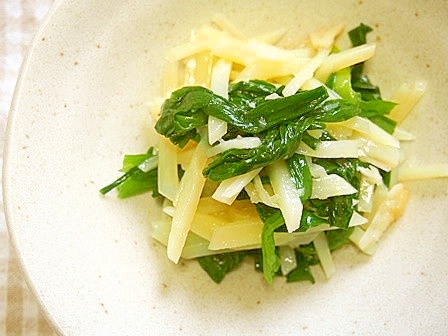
(80, 105)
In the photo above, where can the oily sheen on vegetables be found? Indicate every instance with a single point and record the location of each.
(279, 155)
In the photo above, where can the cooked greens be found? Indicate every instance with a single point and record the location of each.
(303, 163)
(140, 175)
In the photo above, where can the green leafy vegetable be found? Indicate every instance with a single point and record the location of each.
(355, 86)
(278, 142)
(301, 175)
(249, 94)
(346, 168)
(271, 261)
(338, 238)
(336, 211)
(306, 255)
(302, 272)
(281, 124)
(183, 114)
(358, 35)
(312, 218)
(372, 106)
(135, 181)
(189, 107)
(217, 266)
(139, 183)
(360, 81)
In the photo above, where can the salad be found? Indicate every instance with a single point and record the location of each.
(274, 154)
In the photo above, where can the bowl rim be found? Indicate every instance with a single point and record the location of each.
(6, 171)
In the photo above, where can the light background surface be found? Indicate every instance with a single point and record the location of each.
(19, 312)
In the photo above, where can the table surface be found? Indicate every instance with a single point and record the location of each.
(20, 314)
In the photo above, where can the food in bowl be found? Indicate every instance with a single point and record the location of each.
(280, 155)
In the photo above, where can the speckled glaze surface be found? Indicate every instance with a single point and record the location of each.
(81, 103)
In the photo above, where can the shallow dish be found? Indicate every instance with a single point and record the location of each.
(81, 103)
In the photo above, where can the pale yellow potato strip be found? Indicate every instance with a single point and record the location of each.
(168, 181)
(212, 214)
(332, 149)
(366, 190)
(270, 69)
(240, 235)
(388, 212)
(325, 37)
(271, 52)
(369, 130)
(288, 259)
(170, 80)
(225, 46)
(306, 73)
(344, 59)
(323, 252)
(288, 195)
(272, 37)
(357, 220)
(197, 69)
(194, 247)
(229, 189)
(222, 22)
(246, 235)
(186, 50)
(429, 171)
(382, 156)
(203, 224)
(219, 84)
(379, 195)
(258, 194)
(402, 135)
(406, 97)
(190, 190)
(330, 186)
(356, 236)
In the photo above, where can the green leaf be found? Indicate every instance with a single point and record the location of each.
(273, 112)
(300, 173)
(278, 142)
(338, 238)
(310, 141)
(368, 100)
(385, 123)
(310, 219)
(134, 181)
(271, 261)
(341, 83)
(139, 182)
(302, 271)
(347, 168)
(265, 211)
(337, 211)
(132, 160)
(189, 107)
(341, 211)
(249, 94)
(375, 108)
(183, 113)
(217, 266)
(362, 84)
(358, 35)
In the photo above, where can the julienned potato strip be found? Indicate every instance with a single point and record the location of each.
(204, 218)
